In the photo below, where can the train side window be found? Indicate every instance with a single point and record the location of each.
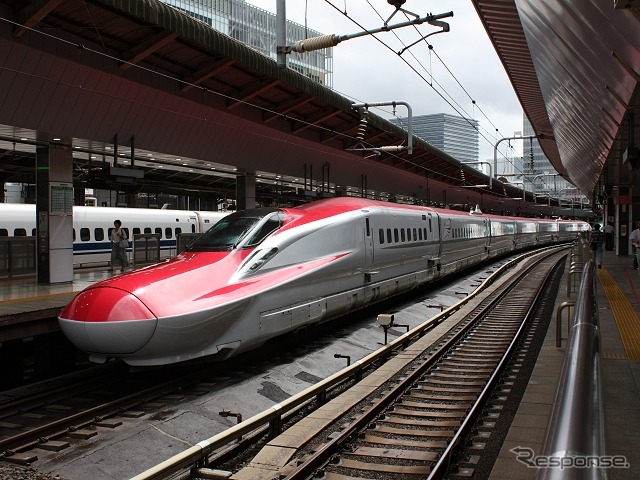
(408, 234)
(33, 232)
(159, 231)
(147, 229)
(388, 235)
(85, 234)
(74, 234)
(168, 233)
(396, 236)
(425, 232)
(402, 234)
(98, 234)
(20, 232)
(109, 230)
(420, 233)
(126, 232)
(368, 227)
(381, 235)
(4, 232)
(430, 229)
(136, 231)
(179, 231)
(415, 235)
(193, 227)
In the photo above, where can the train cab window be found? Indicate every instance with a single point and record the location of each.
(20, 232)
(246, 228)
(271, 225)
(98, 234)
(4, 232)
(147, 229)
(168, 233)
(85, 234)
(159, 231)
(381, 235)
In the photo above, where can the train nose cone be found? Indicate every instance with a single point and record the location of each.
(108, 321)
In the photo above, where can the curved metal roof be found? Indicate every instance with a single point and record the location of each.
(575, 66)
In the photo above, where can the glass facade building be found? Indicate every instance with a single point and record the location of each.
(456, 136)
(256, 28)
(537, 168)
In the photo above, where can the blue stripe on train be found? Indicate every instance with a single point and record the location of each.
(92, 248)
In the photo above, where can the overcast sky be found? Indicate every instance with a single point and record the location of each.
(365, 70)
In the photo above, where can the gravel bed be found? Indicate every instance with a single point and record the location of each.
(13, 472)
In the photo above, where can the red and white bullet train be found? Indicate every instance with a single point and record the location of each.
(261, 273)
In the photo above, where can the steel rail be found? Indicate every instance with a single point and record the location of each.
(321, 455)
(197, 454)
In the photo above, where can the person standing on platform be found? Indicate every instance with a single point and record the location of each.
(119, 244)
(635, 243)
(608, 236)
(596, 239)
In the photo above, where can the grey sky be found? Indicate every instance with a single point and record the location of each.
(367, 71)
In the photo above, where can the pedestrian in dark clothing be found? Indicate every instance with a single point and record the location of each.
(596, 239)
(119, 244)
(608, 236)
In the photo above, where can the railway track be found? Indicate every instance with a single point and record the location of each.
(73, 409)
(418, 420)
(56, 416)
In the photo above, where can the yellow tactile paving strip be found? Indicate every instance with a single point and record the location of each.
(625, 316)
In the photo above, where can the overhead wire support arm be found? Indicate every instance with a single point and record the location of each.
(391, 148)
(326, 41)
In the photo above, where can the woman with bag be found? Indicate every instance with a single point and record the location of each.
(119, 244)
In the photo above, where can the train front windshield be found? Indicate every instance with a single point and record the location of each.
(246, 228)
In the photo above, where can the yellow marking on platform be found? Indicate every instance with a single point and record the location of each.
(623, 313)
(36, 298)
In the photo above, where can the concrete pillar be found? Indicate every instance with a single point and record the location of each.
(246, 191)
(54, 212)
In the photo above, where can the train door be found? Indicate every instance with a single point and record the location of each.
(193, 224)
(368, 246)
(371, 292)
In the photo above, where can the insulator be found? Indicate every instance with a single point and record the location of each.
(315, 43)
(391, 148)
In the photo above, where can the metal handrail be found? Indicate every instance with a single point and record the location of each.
(575, 432)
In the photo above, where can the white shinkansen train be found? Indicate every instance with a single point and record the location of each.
(92, 228)
(261, 273)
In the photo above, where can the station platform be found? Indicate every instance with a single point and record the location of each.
(25, 305)
(618, 302)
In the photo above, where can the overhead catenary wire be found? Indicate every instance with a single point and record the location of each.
(450, 100)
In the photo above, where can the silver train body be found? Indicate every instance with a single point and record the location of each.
(263, 273)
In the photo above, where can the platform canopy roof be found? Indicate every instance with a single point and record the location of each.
(575, 67)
